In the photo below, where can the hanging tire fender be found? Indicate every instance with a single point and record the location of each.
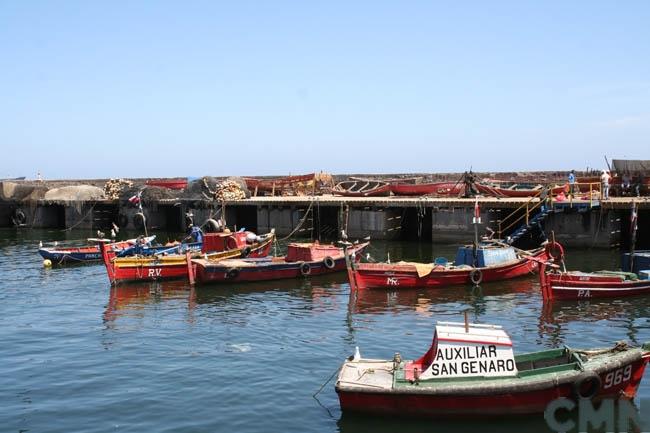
(232, 273)
(246, 251)
(19, 217)
(587, 385)
(329, 262)
(211, 225)
(305, 269)
(476, 276)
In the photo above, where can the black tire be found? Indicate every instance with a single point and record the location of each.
(476, 276)
(232, 273)
(587, 386)
(19, 217)
(211, 226)
(329, 262)
(246, 252)
(138, 221)
(305, 269)
(122, 221)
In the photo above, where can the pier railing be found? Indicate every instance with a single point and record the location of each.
(509, 221)
(591, 187)
(538, 202)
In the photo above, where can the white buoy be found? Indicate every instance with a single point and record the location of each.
(47, 263)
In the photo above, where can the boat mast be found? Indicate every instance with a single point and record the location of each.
(476, 220)
(633, 229)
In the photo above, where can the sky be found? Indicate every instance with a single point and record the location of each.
(161, 89)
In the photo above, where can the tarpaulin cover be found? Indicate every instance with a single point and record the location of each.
(631, 165)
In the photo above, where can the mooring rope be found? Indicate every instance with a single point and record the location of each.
(302, 221)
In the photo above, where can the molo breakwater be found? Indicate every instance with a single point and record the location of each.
(580, 223)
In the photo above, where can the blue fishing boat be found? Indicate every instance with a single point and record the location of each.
(86, 253)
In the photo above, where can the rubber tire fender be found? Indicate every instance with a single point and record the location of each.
(305, 269)
(592, 380)
(20, 217)
(246, 252)
(232, 273)
(329, 262)
(476, 276)
(211, 225)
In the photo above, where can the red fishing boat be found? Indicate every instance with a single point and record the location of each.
(302, 260)
(175, 183)
(470, 370)
(493, 261)
(435, 188)
(216, 246)
(578, 285)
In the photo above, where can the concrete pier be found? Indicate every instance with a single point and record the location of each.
(429, 219)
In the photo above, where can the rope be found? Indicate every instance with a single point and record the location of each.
(326, 382)
(81, 220)
(302, 221)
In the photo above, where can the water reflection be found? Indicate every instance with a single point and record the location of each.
(628, 314)
(132, 298)
(361, 423)
(424, 300)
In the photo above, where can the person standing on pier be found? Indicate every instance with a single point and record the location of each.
(604, 185)
(572, 182)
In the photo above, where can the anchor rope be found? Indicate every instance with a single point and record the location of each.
(81, 220)
(302, 221)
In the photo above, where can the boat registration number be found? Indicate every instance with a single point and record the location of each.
(584, 294)
(392, 281)
(617, 377)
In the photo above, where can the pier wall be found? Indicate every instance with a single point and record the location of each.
(429, 220)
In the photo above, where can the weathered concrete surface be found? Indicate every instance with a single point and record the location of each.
(449, 220)
(455, 224)
(381, 223)
(597, 229)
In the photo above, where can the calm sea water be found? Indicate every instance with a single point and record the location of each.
(78, 356)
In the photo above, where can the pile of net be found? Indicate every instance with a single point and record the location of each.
(75, 193)
(20, 191)
(229, 190)
(148, 194)
(114, 187)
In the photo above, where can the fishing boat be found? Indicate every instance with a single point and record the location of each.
(362, 188)
(577, 285)
(173, 183)
(301, 260)
(491, 261)
(471, 370)
(216, 246)
(87, 253)
(515, 190)
(433, 188)
(277, 184)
